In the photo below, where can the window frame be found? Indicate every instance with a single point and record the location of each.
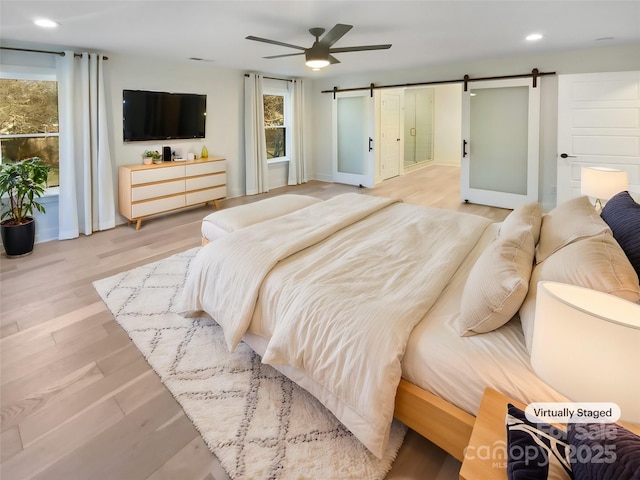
(15, 72)
(280, 88)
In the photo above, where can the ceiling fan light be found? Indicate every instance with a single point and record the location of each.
(317, 64)
(317, 56)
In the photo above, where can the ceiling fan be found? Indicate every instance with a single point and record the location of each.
(319, 54)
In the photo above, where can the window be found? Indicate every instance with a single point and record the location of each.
(274, 126)
(276, 120)
(29, 121)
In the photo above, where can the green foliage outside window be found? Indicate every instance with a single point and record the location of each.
(275, 131)
(29, 123)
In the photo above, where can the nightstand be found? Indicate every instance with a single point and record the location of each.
(486, 455)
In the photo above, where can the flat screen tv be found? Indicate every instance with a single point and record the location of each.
(162, 115)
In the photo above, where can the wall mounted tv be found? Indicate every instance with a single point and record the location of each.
(162, 116)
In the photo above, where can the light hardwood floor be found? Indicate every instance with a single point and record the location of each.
(80, 402)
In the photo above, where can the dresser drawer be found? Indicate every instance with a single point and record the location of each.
(205, 168)
(197, 183)
(157, 174)
(203, 196)
(153, 190)
(150, 207)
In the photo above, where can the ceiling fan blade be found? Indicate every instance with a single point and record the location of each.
(361, 48)
(333, 59)
(274, 42)
(286, 55)
(335, 34)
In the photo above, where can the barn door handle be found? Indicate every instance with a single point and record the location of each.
(464, 148)
(564, 155)
(370, 143)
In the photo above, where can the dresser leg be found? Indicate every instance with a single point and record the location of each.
(216, 204)
(138, 224)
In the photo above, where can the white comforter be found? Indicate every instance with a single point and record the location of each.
(354, 279)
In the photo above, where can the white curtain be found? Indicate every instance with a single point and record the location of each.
(297, 171)
(255, 148)
(87, 202)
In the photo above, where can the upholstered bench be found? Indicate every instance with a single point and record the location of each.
(223, 222)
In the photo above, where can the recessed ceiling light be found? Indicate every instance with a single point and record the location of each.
(45, 23)
(533, 37)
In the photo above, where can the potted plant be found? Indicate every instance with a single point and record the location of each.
(150, 156)
(21, 183)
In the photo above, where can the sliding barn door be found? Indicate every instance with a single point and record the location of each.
(500, 131)
(353, 127)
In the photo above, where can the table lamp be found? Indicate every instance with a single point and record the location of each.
(586, 345)
(602, 183)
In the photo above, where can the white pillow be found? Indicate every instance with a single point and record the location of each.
(568, 222)
(526, 217)
(497, 284)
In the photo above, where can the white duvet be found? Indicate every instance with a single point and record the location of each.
(342, 284)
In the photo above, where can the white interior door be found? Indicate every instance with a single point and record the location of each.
(500, 131)
(389, 135)
(353, 127)
(598, 125)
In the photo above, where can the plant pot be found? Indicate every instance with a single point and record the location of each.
(147, 160)
(18, 240)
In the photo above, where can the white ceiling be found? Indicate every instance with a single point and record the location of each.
(423, 33)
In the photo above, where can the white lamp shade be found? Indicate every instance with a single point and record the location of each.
(586, 345)
(602, 183)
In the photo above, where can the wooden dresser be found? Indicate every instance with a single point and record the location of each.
(146, 190)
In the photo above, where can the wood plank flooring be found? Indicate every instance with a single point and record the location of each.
(78, 400)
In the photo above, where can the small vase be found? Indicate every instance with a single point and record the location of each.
(147, 160)
(205, 152)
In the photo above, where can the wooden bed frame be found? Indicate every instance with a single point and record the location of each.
(437, 420)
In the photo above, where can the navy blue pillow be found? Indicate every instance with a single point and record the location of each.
(622, 214)
(535, 451)
(604, 451)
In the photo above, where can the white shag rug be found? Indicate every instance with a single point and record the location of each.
(257, 422)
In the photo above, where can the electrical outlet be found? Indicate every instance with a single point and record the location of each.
(554, 189)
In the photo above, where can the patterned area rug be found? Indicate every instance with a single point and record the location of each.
(257, 422)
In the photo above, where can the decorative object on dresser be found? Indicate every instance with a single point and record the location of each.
(146, 190)
(602, 183)
(151, 156)
(582, 330)
(21, 183)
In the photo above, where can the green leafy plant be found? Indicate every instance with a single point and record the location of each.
(22, 182)
(153, 154)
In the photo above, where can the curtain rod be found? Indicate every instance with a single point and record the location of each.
(465, 80)
(62, 54)
(274, 78)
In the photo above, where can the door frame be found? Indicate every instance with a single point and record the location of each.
(494, 198)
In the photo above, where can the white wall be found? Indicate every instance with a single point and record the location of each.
(225, 100)
(607, 59)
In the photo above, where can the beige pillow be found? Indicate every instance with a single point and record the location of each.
(568, 222)
(596, 262)
(497, 284)
(525, 217)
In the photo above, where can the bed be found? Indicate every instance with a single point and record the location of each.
(455, 317)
